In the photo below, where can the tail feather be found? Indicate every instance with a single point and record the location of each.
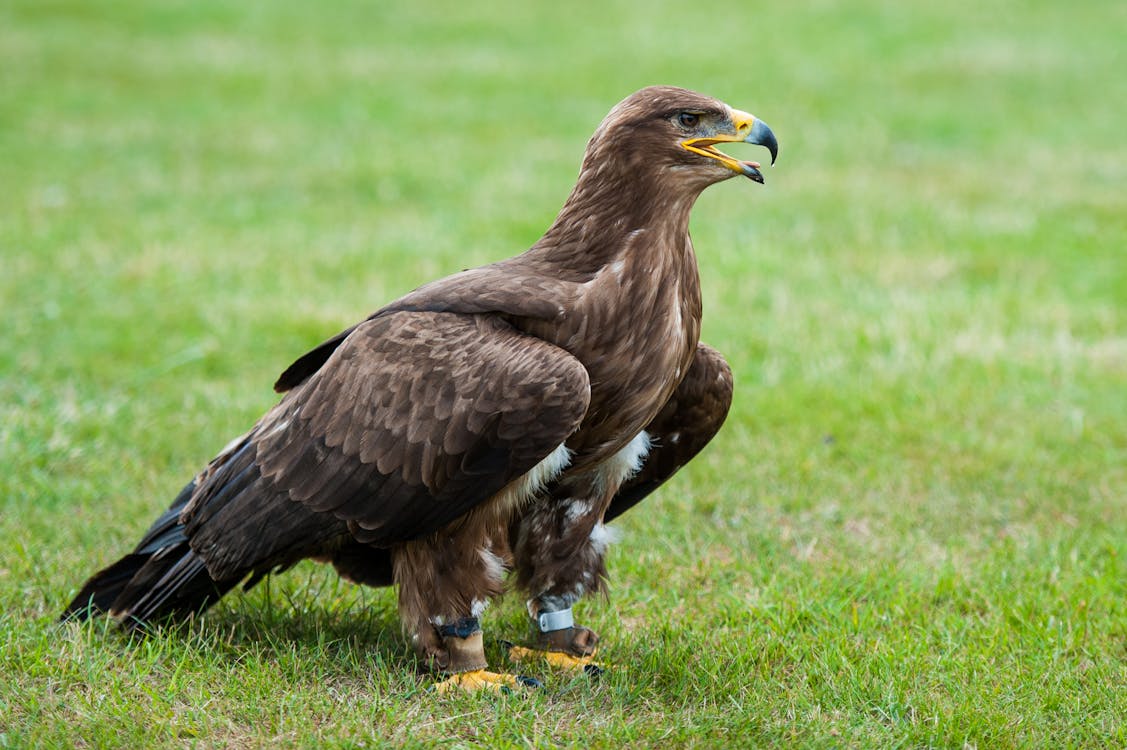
(103, 589)
(235, 519)
(162, 577)
(174, 582)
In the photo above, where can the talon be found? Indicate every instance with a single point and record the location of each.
(480, 679)
(558, 660)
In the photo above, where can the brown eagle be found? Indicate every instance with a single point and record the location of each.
(494, 419)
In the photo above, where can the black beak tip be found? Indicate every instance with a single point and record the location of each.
(761, 134)
(772, 145)
(752, 173)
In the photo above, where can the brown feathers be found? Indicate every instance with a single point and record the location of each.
(508, 402)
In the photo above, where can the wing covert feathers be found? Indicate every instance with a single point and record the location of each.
(497, 289)
(416, 418)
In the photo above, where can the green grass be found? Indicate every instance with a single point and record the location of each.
(911, 532)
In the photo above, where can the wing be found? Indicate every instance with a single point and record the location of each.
(686, 423)
(502, 288)
(412, 421)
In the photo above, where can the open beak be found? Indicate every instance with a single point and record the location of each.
(748, 129)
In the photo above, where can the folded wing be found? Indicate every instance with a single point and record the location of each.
(415, 419)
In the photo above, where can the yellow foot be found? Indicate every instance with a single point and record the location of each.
(557, 659)
(480, 679)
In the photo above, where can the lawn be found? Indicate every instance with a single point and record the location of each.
(912, 531)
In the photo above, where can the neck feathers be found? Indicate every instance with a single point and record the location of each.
(610, 207)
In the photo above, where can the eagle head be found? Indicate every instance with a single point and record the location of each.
(676, 131)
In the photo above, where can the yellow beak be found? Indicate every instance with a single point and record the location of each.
(745, 129)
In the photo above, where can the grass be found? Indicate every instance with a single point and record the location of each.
(911, 532)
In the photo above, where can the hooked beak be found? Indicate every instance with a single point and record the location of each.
(747, 129)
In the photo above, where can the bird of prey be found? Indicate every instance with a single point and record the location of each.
(492, 420)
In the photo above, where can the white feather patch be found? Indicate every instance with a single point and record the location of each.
(577, 509)
(626, 463)
(533, 481)
(602, 536)
(494, 568)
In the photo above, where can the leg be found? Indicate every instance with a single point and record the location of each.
(560, 547)
(560, 542)
(445, 583)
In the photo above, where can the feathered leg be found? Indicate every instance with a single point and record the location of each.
(560, 542)
(559, 548)
(445, 582)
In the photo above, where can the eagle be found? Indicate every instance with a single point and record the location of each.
(492, 421)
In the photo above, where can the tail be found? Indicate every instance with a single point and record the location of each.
(162, 578)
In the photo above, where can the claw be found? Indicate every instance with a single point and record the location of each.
(557, 659)
(480, 679)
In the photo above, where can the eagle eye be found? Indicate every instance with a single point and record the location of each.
(688, 119)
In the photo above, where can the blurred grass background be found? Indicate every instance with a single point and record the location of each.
(911, 531)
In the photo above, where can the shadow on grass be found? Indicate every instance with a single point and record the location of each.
(308, 615)
(308, 623)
